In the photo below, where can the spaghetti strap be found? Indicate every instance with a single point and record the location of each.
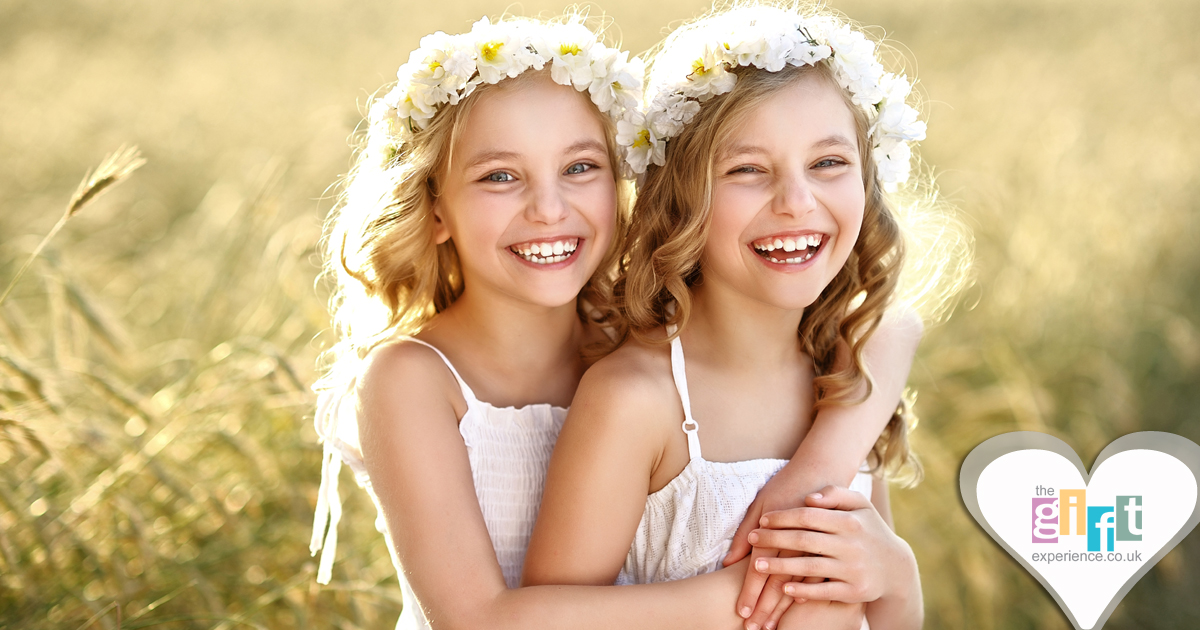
(466, 389)
(690, 427)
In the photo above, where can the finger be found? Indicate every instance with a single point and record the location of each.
(781, 608)
(753, 584)
(804, 565)
(833, 590)
(816, 519)
(837, 498)
(740, 546)
(799, 540)
(772, 594)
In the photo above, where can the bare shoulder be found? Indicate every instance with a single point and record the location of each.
(403, 375)
(902, 323)
(630, 390)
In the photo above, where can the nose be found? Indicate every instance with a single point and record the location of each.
(546, 203)
(794, 194)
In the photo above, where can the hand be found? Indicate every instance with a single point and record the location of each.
(762, 601)
(850, 544)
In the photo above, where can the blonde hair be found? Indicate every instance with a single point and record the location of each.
(389, 276)
(672, 217)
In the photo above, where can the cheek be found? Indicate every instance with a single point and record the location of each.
(599, 202)
(477, 224)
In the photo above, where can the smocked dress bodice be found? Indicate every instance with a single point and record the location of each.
(508, 448)
(688, 525)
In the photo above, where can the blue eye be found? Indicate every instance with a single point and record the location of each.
(499, 177)
(744, 169)
(580, 167)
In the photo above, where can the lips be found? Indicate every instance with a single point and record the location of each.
(546, 252)
(789, 248)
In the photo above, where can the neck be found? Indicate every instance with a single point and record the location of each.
(739, 332)
(528, 336)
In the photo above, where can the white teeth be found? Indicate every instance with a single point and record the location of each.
(546, 253)
(778, 244)
(789, 245)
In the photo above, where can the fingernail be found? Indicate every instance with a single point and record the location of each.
(753, 538)
(789, 589)
(770, 625)
(762, 521)
(745, 612)
(816, 495)
(751, 626)
(761, 565)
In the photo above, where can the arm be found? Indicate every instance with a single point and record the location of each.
(831, 452)
(596, 488)
(409, 410)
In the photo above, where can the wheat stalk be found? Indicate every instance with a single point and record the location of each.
(112, 171)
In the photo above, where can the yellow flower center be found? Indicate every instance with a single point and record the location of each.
(643, 139)
(698, 67)
(489, 50)
(568, 49)
(434, 65)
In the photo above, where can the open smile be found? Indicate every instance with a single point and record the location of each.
(546, 252)
(789, 249)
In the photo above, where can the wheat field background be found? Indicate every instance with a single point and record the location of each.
(158, 467)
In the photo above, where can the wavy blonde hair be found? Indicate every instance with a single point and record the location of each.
(672, 217)
(389, 277)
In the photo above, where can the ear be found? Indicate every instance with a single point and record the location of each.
(441, 232)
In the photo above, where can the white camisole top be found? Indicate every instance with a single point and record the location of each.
(508, 448)
(689, 524)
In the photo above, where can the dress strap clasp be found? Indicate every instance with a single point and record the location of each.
(690, 427)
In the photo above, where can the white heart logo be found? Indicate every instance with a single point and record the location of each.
(1088, 538)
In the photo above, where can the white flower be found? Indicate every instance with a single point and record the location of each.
(641, 146)
(669, 112)
(744, 48)
(709, 76)
(460, 63)
(498, 51)
(617, 82)
(893, 157)
(900, 121)
(895, 88)
(570, 54)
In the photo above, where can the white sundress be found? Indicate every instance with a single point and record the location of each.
(509, 449)
(689, 524)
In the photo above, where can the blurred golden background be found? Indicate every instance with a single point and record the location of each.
(158, 467)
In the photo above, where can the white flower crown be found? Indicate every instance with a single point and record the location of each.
(447, 68)
(694, 66)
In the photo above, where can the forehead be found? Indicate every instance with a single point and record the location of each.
(809, 111)
(530, 115)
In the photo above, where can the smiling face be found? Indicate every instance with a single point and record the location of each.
(530, 196)
(788, 196)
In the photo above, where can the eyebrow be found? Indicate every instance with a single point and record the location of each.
(738, 150)
(499, 154)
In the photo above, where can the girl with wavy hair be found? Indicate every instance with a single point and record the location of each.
(765, 242)
(473, 249)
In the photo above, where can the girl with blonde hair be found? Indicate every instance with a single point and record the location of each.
(765, 243)
(473, 250)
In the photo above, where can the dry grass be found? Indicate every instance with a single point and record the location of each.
(157, 465)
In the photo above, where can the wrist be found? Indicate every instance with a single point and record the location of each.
(904, 578)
